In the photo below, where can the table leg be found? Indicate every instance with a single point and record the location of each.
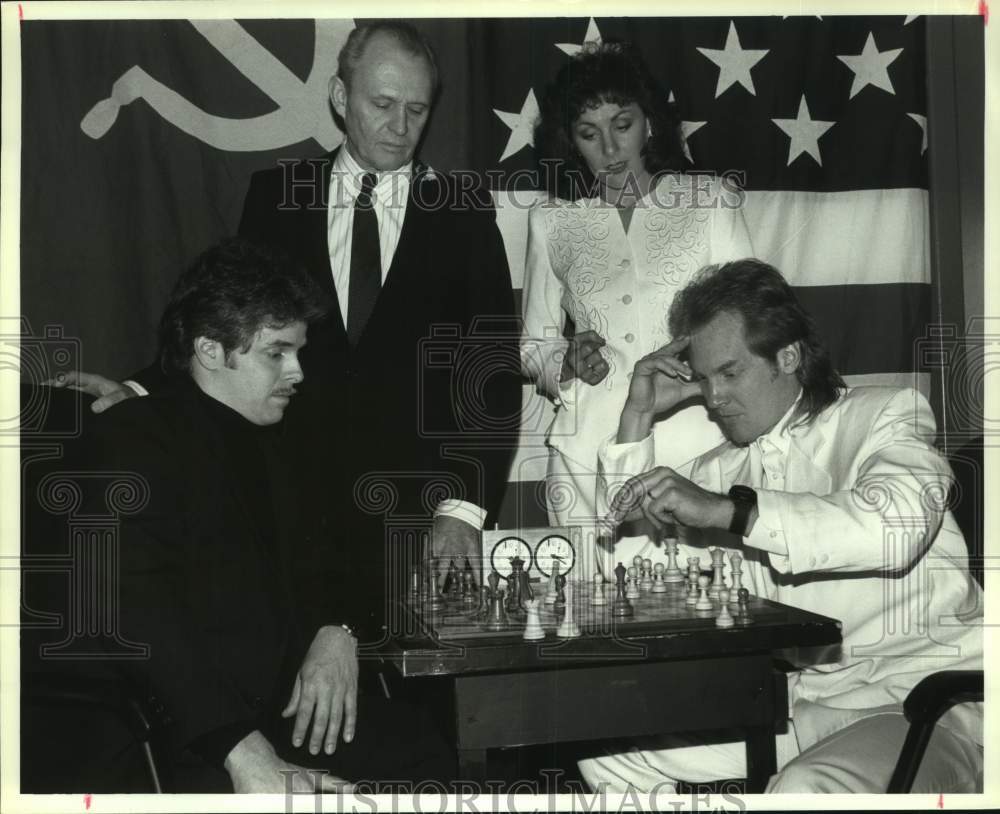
(762, 759)
(472, 765)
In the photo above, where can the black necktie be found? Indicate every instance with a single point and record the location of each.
(366, 262)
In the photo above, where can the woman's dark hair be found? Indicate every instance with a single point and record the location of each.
(772, 320)
(609, 72)
(229, 293)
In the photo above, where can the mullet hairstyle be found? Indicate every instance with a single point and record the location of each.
(772, 320)
(609, 72)
(229, 293)
(405, 35)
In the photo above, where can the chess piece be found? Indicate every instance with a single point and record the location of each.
(598, 599)
(533, 630)
(494, 580)
(659, 585)
(632, 591)
(620, 606)
(646, 575)
(725, 618)
(673, 574)
(744, 617)
(518, 588)
(704, 602)
(718, 566)
(497, 619)
(552, 593)
(568, 629)
(468, 569)
(435, 601)
(470, 596)
(452, 581)
(692, 595)
(560, 591)
(483, 611)
(735, 576)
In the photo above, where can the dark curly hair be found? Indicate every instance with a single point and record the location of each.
(609, 72)
(772, 320)
(228, 294)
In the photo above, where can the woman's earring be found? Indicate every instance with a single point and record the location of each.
(649, 129)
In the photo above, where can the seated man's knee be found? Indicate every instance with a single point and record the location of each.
(805, 776)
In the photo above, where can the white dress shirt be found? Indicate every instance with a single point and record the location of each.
(389, 201)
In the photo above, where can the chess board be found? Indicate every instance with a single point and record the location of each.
(652, 613)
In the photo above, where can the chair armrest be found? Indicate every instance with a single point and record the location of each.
(932, 697)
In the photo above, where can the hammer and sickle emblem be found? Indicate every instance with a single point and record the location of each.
(302, 111)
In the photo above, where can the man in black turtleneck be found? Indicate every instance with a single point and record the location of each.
(204, 570)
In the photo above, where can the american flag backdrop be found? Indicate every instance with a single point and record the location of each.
(139, 138)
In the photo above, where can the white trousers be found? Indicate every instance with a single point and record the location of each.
(856, 759)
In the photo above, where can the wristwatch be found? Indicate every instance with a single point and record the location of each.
(744, 500)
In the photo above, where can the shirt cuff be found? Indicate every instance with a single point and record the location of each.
(139, 389)
(462, 510)
(767, 533)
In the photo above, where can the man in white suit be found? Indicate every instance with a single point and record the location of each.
(836, 499)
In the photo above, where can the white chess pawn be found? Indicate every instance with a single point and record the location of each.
(533, 630)
(598, 598)
(646, 581)
(704, 601)
(692, 596)
(725, 618)
(568, 629)
(659, 586)
(673, 574)
(632, 591)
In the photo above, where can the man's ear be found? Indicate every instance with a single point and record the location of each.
(338, 95)
(209, 353)
(789, 358)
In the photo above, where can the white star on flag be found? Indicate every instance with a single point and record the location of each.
(687, 128)
(922, 121)
(593, 35)
(522, 125)
(804, 133)
(871, 66)
(734, 62)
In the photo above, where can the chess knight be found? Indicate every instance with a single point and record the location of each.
(834, 497)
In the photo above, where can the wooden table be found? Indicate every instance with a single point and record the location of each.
(654, 676)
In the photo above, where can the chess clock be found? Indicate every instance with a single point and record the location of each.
(504, 550)
(555, 548)
(537, 547)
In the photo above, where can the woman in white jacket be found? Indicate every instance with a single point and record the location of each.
(622, 231)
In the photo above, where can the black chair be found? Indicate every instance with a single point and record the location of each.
(927, 702)
(938, 692)
(54, 690)
(106, 737)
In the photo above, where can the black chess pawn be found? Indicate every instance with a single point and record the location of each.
(743, 615)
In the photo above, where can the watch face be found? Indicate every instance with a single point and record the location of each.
(505, 550)
(552, 549)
